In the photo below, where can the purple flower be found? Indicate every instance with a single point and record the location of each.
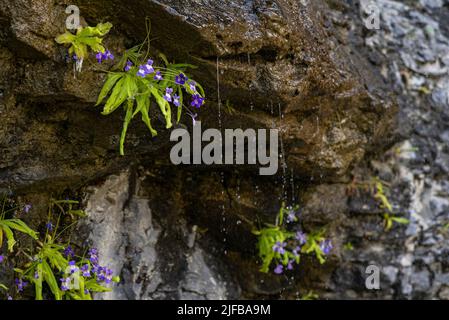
(49, 226)
(36, 275)
(20, 284)
(301, 237)
(27, 208)
(96, 268)
(279, 247)
(279, 269)
(291, 215)
(128, 66)
(181, 79)
(290, 265)
(105, 275)
(326, 246)
(149, 67)
(68, 252)
(192, 86)
(296, 251)
(72, 267)
(142, 72)
(86, 291)
(197, 101)
(99, 57)
(176, 100)
(108, 55)
(65, 284)
(158, 76)
(1, 258)
(93, 255)
(168, 93)
(9, 297)
(85, 270)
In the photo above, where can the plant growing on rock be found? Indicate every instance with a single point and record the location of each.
(379, 190)
(283, 243)
(9, 225)
(55, 264)
(83, 39)
(137, 82)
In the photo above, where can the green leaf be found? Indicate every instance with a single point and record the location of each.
(93, 286)
(50, 279)
(99, 31)
(19, 225)
(79, 213)
(143, 106)
(164, 58)
(178, 118)
(117, 97)
(94, 43)
(9, 235)
(108, 85)
(164, 106)
(65, 38)
(400, 220)
(128, 117)
(38, 282)
(130, 86)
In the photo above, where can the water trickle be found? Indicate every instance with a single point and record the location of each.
(284, 165)
(292, 184)
(218, 93)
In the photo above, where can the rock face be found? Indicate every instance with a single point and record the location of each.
(277, 63)
(157, 260)
(308, 68)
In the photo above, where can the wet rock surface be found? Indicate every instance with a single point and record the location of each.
(312, 70)
(276, 64)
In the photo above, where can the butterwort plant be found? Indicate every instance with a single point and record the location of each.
(86, 38)
(10, 225)
(136, 84)
(56, 264)
(281, 245)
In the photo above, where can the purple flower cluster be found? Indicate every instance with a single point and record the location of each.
(1, 258)
(103, 274)
(88, 270)
(68, 252)
(107, 55)
(93, 256)
(20, 284)
(170, 97)
(146, 69)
